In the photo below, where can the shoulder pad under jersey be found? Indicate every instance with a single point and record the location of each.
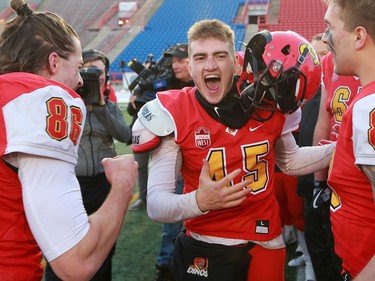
(156, 119)
(142, 139)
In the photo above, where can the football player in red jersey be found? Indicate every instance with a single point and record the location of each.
(336, 95)
(226, 145)
(337, 92)
(350, 36)
(41, 121)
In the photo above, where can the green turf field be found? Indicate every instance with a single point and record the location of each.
(138, 244)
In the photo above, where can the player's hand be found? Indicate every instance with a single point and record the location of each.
(214, 195)
(121, 172)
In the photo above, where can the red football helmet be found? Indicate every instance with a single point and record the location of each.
(283, 70)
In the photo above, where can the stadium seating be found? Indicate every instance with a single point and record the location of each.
(305, 17)
(80, 14)
(163, 30)
(170, 23)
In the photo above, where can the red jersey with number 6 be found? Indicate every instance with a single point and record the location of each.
(340, 92)
(352, 202)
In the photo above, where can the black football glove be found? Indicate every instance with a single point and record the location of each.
(321, 193)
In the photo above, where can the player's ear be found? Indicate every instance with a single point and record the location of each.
(361, 37)
(53, 61)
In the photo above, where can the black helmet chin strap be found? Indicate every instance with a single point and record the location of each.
(253, 56)
(287, 86)
(255, 67)
(261, 94)
(244, 79)
(254, 51)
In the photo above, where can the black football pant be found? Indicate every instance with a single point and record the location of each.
(319, 240)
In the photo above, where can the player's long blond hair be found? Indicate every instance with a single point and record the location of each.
(30, 37)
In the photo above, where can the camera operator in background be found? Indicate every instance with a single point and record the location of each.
(170, 231)
(153, 77)
(179, 54)
(104, 123)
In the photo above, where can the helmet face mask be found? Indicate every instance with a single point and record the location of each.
(291, 84)
(260, 97)
(283, 71)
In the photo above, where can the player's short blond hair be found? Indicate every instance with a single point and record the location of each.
(212, 28)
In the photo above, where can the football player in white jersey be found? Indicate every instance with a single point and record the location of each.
(41, 120)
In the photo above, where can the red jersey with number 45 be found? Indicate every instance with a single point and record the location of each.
(352, 202)
(41, 117)
(249, 148)
(340, 92)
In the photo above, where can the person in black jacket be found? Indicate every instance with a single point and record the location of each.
(179, 54)
(104, 124)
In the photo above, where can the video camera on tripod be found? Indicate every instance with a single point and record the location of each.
(155, 76)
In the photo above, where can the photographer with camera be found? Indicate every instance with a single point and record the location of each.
(153, 76)
(170, 231)
(104, 123)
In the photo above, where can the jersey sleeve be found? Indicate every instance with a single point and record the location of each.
(363, 119)
(43, 119)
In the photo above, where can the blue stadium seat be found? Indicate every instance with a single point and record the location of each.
(164, 30)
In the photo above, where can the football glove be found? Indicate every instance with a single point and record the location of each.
(321, 193)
